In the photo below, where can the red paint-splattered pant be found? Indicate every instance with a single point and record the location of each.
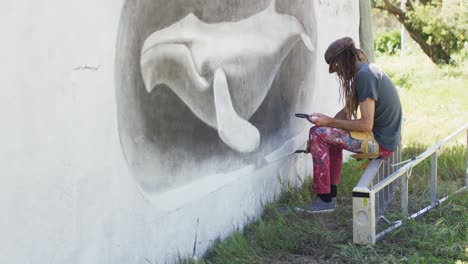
(326, 145)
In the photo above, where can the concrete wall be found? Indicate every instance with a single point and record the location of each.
(97, 169)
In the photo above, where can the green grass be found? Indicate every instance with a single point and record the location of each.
(441, 236)
(434, 99)
(435, 104)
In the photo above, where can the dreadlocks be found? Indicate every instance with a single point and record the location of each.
(346, 68)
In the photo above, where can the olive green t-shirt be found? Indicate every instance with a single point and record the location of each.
(372, 82)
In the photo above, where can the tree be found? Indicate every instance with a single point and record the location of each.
(439, 27)
(365, 29)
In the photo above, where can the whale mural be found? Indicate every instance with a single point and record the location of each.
(209, 88)
(222, 71)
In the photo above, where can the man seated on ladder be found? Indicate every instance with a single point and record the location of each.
(376, 133)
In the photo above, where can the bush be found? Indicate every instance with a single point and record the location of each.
(439, 27)
(442, 23)
(402, 79)
(388, 42)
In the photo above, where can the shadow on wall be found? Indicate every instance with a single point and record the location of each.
(207, 87)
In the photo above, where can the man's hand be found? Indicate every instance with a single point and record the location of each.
(364, 124)
(319, 119)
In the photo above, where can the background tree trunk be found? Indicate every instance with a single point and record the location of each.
(366, 37)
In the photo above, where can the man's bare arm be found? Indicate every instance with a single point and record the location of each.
(364, 124)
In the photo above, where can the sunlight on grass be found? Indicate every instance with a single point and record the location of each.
(434, 99)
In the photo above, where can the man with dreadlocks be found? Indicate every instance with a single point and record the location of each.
(375, 133)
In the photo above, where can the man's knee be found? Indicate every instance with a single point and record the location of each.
(316, 131)
(312, 130)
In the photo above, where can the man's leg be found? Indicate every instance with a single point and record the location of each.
(336, 162)
(325, 145)
(321, 161)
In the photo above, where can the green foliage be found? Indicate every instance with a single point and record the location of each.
(439, 27)
(438, 237)
(402, 79)
(351, 172)
(292, 195)
(450, 169)
(388, 42)
(190, 260)
(451, 72)
(442, 23)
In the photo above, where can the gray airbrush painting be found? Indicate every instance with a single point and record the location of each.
(209, 87)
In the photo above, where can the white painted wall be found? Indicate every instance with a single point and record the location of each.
(66, 194)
